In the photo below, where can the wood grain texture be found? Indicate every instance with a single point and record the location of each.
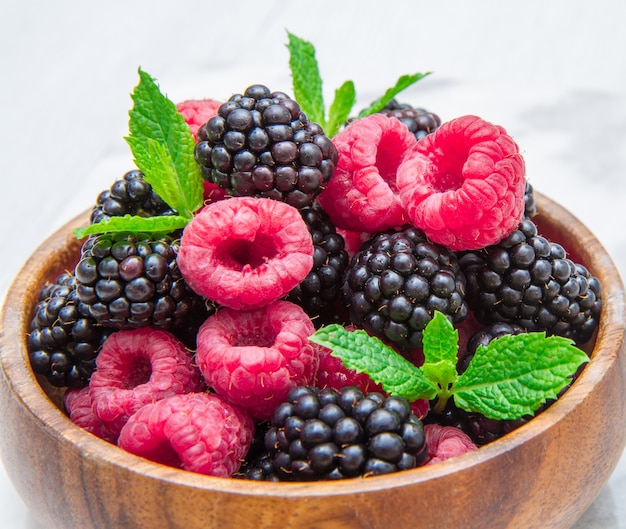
(543, 475)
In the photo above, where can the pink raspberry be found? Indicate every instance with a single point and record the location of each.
(196, 431)
(254, 357)
(78, 405)
(362, 194)
(245, 252)
(445, 442)
(197, 112)
(464, 184)
(137, 367)
(353, 240)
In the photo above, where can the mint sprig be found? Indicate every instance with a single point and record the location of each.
(308, 89)
(506, 380)
(163, 150)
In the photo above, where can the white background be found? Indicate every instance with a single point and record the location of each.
(553, 73)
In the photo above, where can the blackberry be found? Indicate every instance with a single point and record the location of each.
(328, 434)
(419, 121)
(319, 292)
(530, 281)
(130, 195)
(530, 207)
(261, 144)
(64, 340)
(397, 280)
(132, 280)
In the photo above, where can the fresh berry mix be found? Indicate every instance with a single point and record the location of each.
(396, 282)
(64, 339)
(464, 184)
(259, 250)
(261, 144)
(363, 194)
(130, 195)
(418, 120)
(328, 434)
(272, 295)
(527, 280)
(254, 357)
(198, 432)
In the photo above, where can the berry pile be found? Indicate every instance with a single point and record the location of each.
(183, 332)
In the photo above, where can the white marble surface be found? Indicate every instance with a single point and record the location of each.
(553, 73)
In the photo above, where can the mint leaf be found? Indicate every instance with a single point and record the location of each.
(134, 224)
(366, 354)
(515, 374)
(170, 167)
(307, 82)
(440, 340)
(402, 83)
(345, 98)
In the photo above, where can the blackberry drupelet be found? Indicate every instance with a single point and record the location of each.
(530, 281)
(328, 434)
(64, 340)
(130, 195)
(395, 283)
(419, 121)
(131, 280)
(319, 292)
(261, 144)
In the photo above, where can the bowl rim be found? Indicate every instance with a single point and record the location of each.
(15, 368)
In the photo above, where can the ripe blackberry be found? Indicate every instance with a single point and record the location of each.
(64, 340)
(527, 280)
(329, 434)
(397, 280)
(530, 207)
(319, 291)
(261, 144)
(419, 121)
(132, 280)
(130, 195)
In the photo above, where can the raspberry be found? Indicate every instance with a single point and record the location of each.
(254, 357)
(137, 367)
(245, 252)
(197, 112)
(464, 184)
(197, 432)
(78, 406)
(362, 195)
(445, 442)
(527, 280)
(328, 434)
(395, 283)
(261, 144)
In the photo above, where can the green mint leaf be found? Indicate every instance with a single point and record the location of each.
(345, 98)
(134, 224)
(170, 167)
(402, 83)
(440, 340)
(515, 374)
(366, 354)
(307, 82)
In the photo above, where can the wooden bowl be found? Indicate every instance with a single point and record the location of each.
(542, 475)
